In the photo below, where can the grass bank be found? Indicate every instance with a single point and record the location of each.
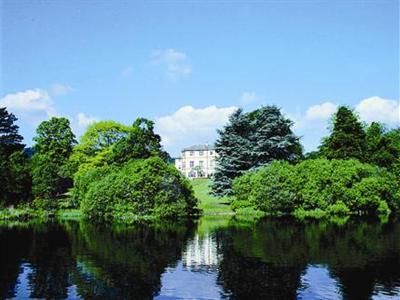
(210, 205)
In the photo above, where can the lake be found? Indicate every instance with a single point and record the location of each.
(214, 258)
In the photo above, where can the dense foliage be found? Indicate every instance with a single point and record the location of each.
(347, 139)
(15, 175)
(54, 142)
(127, 178)
(140, 189)
(330, 186)
(250, 140)
(119, 172)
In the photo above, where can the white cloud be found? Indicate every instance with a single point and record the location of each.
(176, 62)
(379, 109)
(249, 97)
(189, 125)
(80, 123)
(32, 106)
(84, 120)
(321, 111)
(59, 89)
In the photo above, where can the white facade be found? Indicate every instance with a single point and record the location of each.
(197, 161)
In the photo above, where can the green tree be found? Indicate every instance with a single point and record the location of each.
(102, 135)
(231, 146)
(251, 140)
(10, 139)
(140, 189)
(54, 143)
(382, 146)
(347, 138)
(94, 147)
(140, 142)
(15, 177)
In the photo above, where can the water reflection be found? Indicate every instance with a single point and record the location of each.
(273, 259)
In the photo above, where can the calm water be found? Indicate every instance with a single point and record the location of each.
(213, 259)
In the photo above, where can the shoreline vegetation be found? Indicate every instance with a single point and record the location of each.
(121, 174)
(218, 209)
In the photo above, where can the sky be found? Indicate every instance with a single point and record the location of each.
(188, 65)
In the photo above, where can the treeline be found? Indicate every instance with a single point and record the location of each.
(355, 170)
(115, 172)
(118, 172)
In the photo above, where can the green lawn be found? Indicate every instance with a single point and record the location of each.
(210, 205)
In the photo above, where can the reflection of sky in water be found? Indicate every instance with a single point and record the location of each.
(318, 284)
(23, 289)
(380, 293)
(182, 283)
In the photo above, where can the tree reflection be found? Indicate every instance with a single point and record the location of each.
(126, 262)
(268, 260)
(264, 260)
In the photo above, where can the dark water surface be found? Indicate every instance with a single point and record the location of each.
(213, 259)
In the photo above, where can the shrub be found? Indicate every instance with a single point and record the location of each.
(141, 189)
(338, 209)
(268, 189)
(82, 180)
(317, 187)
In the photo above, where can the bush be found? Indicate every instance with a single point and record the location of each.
(82, 180)
(269, 189)
(141, 189)
(334, 187)
(339, 209)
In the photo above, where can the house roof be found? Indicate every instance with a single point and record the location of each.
(199, 148)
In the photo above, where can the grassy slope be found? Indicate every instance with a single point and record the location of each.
(210, 205)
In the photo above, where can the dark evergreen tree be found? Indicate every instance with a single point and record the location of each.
(271, 137)
(54, 143)
(347, 139)
(232, 147)
(15, 177)
(10, 139)
(250, 140)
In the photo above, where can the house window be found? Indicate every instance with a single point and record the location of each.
(211, 163)
(201, 152)
(201, 164)
(183, 165)
(191, 163)
(191, 153)
(211, 152)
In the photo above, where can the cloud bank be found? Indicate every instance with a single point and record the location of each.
(36, 105)
(189, 125)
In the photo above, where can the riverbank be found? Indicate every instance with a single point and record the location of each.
(23, 214)
(209, 205)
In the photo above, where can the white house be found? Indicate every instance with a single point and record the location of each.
(197, 161)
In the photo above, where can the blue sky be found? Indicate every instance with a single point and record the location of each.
(187, 65)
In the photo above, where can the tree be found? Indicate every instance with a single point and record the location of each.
(14, 168)
(54, 143)
(10, 139)
(102, 134)
(140, 142)
(383, 147)
(347, 139)
(250, 140)
(231, 146)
